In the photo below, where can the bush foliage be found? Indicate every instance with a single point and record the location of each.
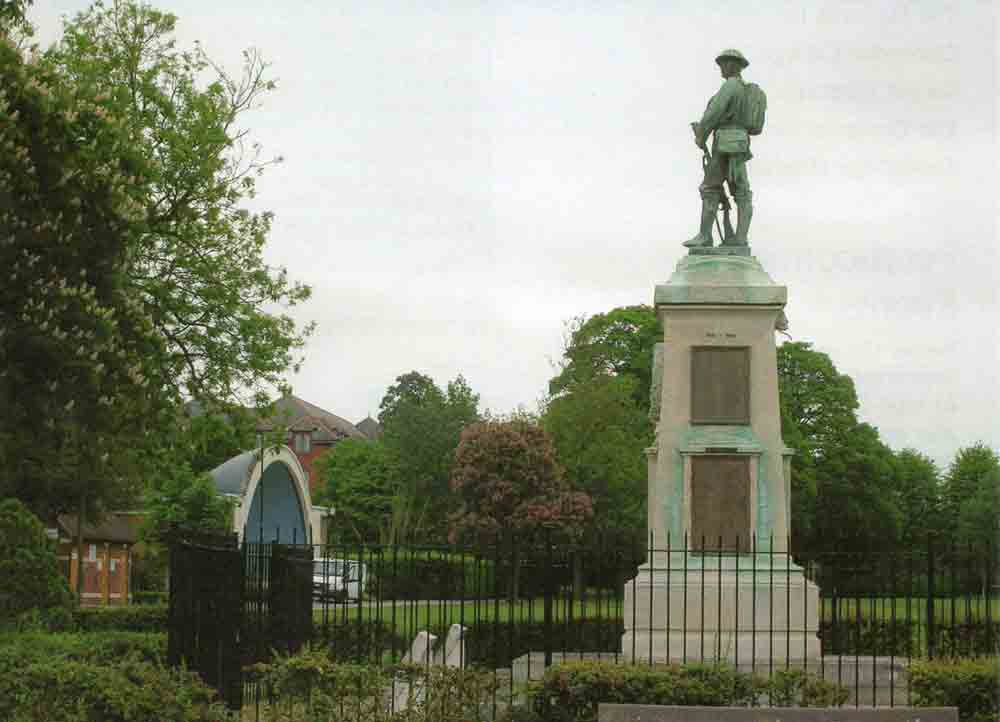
(134, 618)
(572, 691)
(100, 648)
(969, 684)
(310, 685)
(30, 577)
(131, 691)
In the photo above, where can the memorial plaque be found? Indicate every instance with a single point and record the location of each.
(720, 385)
(720, 503)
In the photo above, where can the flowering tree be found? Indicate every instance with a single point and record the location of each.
(507, 478)
(78, 385)
(132, 275)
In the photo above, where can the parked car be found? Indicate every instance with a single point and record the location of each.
(338, 578)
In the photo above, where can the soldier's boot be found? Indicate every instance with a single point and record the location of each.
(745, 210)
(704, 236)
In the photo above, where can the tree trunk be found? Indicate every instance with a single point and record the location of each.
(515, 572)
(578, 576)
(79, 547)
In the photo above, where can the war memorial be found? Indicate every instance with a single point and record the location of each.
(719, 472)
(719, 583)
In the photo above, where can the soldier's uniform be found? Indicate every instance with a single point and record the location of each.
(724, 118)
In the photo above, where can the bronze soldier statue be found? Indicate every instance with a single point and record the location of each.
(726, 118)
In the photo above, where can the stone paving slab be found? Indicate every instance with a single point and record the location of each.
(653, 713)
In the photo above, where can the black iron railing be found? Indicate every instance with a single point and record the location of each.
(855, 619)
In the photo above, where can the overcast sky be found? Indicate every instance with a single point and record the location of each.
(462, 178)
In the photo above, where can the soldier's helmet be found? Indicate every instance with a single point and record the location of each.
(732, 54)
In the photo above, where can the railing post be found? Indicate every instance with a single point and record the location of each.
(991, 562)
(549, 594)
(931, 641)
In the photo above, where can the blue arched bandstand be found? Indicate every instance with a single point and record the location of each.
(271, 494)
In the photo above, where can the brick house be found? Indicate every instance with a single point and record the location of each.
(313, 431)
(107, 557)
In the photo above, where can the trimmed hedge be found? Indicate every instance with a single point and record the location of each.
(969, 684)
(133, 618)
(150, 597)
(497, 644)
(64, 690)
(104, 647)
(907, 638)
(571, 692)
(413, 574)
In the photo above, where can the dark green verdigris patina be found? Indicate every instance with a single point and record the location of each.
(732, 116)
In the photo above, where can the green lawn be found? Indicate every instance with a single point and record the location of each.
(946, 611)
(408, 616)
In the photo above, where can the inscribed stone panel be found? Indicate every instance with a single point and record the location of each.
(720, 502)
(720, 385)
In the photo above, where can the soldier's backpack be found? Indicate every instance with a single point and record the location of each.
(754, 108)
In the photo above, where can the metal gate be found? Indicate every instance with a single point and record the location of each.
(206, 609)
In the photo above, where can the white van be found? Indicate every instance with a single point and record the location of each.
(338, 578)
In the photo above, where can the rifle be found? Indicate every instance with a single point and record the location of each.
(730, 234)
(726, 232)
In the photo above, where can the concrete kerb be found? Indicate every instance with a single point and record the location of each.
(652, 713)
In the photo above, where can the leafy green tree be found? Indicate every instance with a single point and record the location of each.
(600, 433)
(617, 343)
(918, 489)
(971, 492)
(818, 407)
(410, 389)
(979, 515)
(846, 486)
(179, 495)
(856, 507)
(30, 577)
(597, 412)
(817, 402)
(207, 440)
(421, 428)
(195, 260)
(360, 482)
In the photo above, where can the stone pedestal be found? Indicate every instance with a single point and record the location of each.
(720, 583)
(721, 614)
